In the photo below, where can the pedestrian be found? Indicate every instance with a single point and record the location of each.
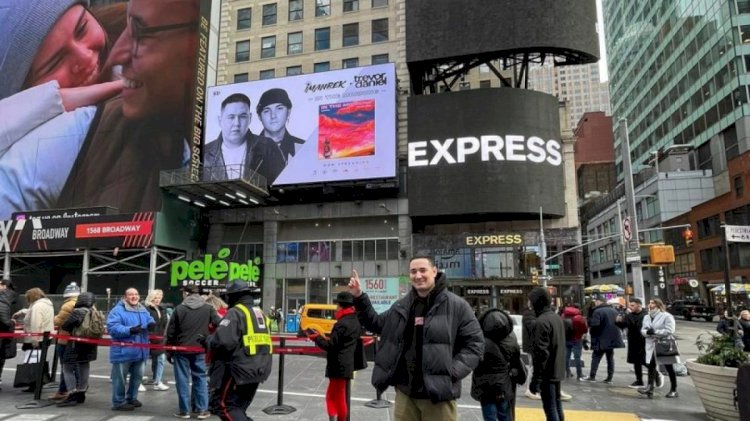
(158, 356)
(241, 348)
(340, 347)
(493, 383)
(575, 328)
(70, 295)
(725, 324)
(548, 354)
(128, 321)
(605, 338)
(77, 358)
(218, 304)
(656, 325)
(528, 322)
(189, 327)
(429, 341)
(744, 326)
(633, 322)
(8, 306)
(39, 318)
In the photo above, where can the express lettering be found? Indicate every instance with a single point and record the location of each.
(495, 239)
(489, 147)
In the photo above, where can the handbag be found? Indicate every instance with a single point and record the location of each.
(666, 347)
(26, 373)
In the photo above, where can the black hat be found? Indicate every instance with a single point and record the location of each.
(190, 289)
(273, 96)
(241, 287)
(345, 298)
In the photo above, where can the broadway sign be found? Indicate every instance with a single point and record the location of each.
(103, 232)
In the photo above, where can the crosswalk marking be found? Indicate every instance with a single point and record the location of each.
(32, 417)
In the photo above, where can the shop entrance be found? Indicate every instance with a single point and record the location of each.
(479, 304)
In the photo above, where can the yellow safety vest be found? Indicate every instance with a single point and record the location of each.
(252, 339)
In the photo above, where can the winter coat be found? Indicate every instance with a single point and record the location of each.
(605, 334)
(633, 322)
(527, 330)
(341, 344)
(160, 328)
(745, 326)
(548, 344)
(664, 326)
(39, 318)
(119, 321)
(492, 377)
(79, 352)
(190, 320)
(8, 347)
(63, 315)
(452, 341)
(580, 327)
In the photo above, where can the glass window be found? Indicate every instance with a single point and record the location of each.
(322, 39)
(321, 67)
(739, 186)
(380, 59)
(322, 7)
(370, 250)
(293, 70)
(243, 18)
(291, 252)
(267, 74)
(240, 77)
(268, 47)
(743, 6)
(303, 247)
(358, 250)
(351, 34)
(269, 14)
(745, 33)
(348, 63)
(351, 5)
(294, 43)
(242, 51)
(346, 251)
(380, 30)
(379, 3)
(485, 84)
(392, 249)
(296, 10)
(380, 250)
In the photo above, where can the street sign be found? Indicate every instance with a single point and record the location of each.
(633, 257)
(553, 266)
(738, 233)
(627, 229)
(618, 268)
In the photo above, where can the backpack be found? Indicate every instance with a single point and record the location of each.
(92, 325)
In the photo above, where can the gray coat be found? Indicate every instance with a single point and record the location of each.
(664, 326)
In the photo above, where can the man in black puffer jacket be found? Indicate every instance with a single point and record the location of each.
(429, 341)
(548, 354)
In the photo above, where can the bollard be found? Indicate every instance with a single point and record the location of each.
(280, 408)
(378, 402)
(37, 402)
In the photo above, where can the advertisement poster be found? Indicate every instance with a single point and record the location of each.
(321, 127)
(137, 110)
(383, 292)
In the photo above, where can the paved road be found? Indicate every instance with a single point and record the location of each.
(305, 390)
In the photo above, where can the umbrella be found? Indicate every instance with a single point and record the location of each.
(735, 288)
(604, 288)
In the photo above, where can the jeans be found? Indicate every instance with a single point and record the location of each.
(496, 411)
(63, 387)
(187, 367)
(157, 367)
(550, 392)
(120, 372)
(76, 376)
(597, 357)
(575, 348)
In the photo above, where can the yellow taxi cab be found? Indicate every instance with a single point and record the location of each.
(319, 317)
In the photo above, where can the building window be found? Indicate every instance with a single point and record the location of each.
(293, 70)
(484, 68)
(739, 186)
(322, 7)
(268, 47)
(379, 3)
(380, 59)
(267, 74)
(379, 30)
(348, 63)
(269, 14)
(243, 18)
(485, 84)
(743, 6)
(351, 5)
(464, 86)
(322, 39)
(321, 67)
(296, 10)
(351, 34)
(294, 43)
(240, 77)
(242, 51)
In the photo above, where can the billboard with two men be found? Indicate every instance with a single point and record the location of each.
(314, 128)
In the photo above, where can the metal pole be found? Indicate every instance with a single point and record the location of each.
(542, 248)
(634, 246)
(6, 267)
(153, 257)
(727, 283)
(623, 254)
(85, 271)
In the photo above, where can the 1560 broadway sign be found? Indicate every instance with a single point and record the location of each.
(213, 272)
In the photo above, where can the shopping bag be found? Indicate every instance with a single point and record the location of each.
(26, 373)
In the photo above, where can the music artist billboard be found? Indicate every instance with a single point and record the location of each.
(96, 100)
(485, 151)
(321, 127)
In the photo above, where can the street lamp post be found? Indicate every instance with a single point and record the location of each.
(633, 245)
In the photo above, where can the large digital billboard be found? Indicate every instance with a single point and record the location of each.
(321, 127)
(97, 98)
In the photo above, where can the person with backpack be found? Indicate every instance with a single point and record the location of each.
(575, 328)
(494, 381)
(84, 321)
(70, 294)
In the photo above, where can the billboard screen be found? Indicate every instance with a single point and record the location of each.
(96, 101)
(494, 151)
(321, 127)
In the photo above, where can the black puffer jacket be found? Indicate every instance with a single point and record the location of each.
(527, 330)
(160, 328)
(548, 349)
(189, 323)
(491, 379)
(745, 326)
(8, 300)
(452, 341)
(79, 352)
(340, 345)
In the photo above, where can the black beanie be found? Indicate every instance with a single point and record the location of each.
(540, 299)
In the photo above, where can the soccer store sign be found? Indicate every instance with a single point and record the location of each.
(330, 126)
(215, 271)
(102, 232)
(494, 151)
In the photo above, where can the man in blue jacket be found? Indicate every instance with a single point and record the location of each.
(128, 321)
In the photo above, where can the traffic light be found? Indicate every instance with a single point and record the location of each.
(534, 276)
(688, 236)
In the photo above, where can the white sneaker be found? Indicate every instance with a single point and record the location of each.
(161, 386)
(141, 388)
(564, 396)
(533, 396)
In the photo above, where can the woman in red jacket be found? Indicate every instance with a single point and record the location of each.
(575, 328)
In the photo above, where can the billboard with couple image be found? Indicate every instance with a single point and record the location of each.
(321, 127)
